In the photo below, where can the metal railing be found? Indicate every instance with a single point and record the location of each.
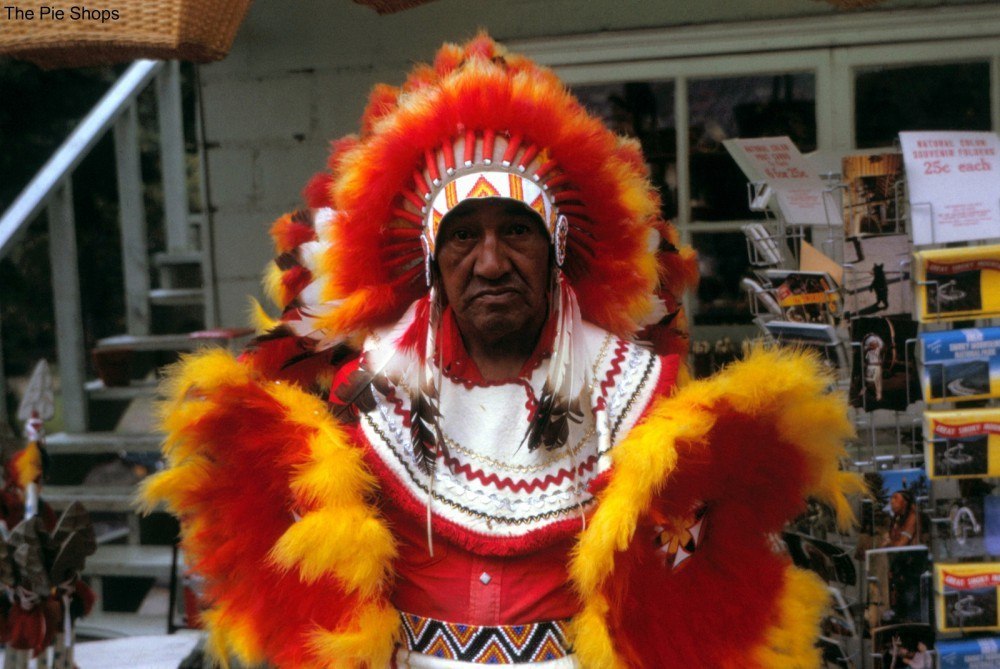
(51, 190)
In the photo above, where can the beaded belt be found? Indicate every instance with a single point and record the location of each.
(506, 644)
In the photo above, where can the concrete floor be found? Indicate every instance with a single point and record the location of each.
(137, 652)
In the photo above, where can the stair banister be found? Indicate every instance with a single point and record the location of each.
(32, 199)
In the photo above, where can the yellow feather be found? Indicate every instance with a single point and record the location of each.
(790, 641)
(371, 640)
(347, 542)
(262, 321)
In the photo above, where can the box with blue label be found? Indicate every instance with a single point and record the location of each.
(969, 653)
(960, 365)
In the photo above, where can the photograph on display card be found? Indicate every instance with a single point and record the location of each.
(830, 562)
(804, 297)
(960, 364)
(952, 185)
(963, 443)
(959, 529)
(883, 370)
(904, 646)
(966, 596)
(839, 621)
(898, 496)
(953, 284)
(898, 587)
(981, 653)
(877, 276)
(871, 199)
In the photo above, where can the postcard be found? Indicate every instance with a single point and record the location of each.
(953, 180)
(871, 200)
(960, 529)
(959, 283)
(892, 644)
(960, 365)
(966, 596)
(898, 586)
(804, 297)
(884, 371)
(962, 444)
(877, 276)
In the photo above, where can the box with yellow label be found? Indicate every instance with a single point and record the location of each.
(966, 596)
(962, 444)
(953, 284)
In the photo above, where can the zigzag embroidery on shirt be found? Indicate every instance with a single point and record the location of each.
(521, 485)
(509, 644)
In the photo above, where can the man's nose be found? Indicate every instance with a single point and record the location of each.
(492, 260)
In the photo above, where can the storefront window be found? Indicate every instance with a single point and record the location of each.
(644, 110)
(743, 107)
(953, 96)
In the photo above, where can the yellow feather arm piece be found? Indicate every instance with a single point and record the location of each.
(340, 534)
(786, 388)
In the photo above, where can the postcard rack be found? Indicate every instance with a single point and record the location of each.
(864, 326)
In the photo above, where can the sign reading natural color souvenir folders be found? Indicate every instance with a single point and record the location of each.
(954, 185)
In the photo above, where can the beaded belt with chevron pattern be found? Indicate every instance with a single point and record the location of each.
(507, 644)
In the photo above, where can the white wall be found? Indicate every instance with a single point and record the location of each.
(300, 71)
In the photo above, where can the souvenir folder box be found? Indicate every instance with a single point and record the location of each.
(962, 444)
(960, 365)
(954, 284)
(966, 596)
(969, 653)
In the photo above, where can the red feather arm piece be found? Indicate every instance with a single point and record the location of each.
(678, 567)
(276, 515)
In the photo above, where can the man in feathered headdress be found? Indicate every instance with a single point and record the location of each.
(452, 448)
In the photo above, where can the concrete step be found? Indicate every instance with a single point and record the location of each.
(173, 258)
(102, 442)
(125, 560)
(103, 498)
(113, 625)
(173, 342)
(135, 390)
(176, 297)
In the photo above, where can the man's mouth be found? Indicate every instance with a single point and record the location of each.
(489, 294)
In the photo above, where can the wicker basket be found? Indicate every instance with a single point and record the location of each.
(196, 30)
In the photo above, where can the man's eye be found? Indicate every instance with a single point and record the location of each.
(519, 229)
(461, 235)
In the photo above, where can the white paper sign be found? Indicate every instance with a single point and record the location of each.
(953, 180)
(798, 190)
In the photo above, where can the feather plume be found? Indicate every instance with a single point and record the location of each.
(561, 398)
(424, 411)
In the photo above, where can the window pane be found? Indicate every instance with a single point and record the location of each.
(923, 97)
(722, 262)
(742, 107)
(644, 110)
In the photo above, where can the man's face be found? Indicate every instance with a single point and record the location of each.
(493, 256)
(897, 503)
